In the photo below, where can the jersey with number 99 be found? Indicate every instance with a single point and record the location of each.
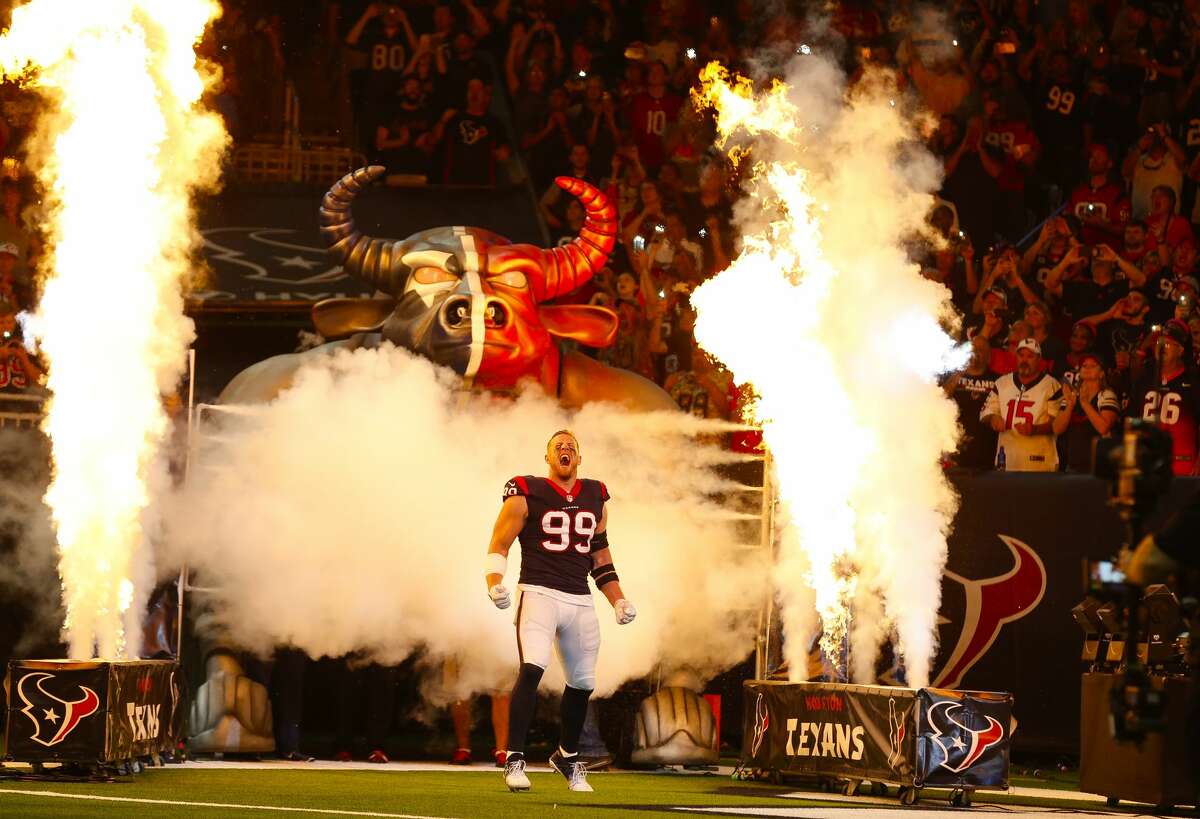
(556, 542)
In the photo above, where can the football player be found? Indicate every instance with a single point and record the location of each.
(562, 524)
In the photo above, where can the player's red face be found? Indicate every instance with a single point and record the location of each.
(563, 456)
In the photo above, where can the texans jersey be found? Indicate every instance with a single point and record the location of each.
(556, 542)
(1175, 407)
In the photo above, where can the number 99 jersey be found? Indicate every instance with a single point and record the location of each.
(556, 543)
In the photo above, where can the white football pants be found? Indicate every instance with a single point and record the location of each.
(544, 622)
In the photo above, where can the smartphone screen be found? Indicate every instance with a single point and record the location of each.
(1105, 571)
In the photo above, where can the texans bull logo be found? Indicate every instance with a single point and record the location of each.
(990, 603)
(896, 734)
(761, 723)
(53, 717)
(962, 736)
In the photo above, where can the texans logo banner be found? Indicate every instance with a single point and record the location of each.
(963, 737)
(884, 734)
(94, 711)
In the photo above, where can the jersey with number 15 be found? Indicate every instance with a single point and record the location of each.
(1017, 403)
(556, 542)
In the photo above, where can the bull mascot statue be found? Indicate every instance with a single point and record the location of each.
(470, 300)
(473, 301)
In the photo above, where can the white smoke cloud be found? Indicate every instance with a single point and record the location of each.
(353, 513)
(842, 338)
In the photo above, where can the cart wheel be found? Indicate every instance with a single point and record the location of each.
(1113, 802)
(851, 787)
(827, 785)
(776, 777)
(960, 798)
(908, 796)
(878, 789)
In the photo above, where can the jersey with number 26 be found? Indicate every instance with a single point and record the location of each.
(556, 542)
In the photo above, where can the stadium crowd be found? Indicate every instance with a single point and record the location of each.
(1069, 131)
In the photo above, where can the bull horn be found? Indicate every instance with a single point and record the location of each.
(568, 267)
(361, 256)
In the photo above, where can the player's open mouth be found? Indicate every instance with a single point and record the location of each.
(565, 460)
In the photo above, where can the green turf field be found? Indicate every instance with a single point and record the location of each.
(233, 792)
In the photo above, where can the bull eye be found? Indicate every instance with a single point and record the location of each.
(513, 278)
(433, 275)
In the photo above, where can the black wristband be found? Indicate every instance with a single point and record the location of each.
(599, 541)
(604, 575)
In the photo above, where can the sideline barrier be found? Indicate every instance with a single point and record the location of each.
(910, 738)
(91, 711)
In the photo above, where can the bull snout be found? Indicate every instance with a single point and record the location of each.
(456, 314)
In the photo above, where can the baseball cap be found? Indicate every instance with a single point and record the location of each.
(999, 291)
(1030, 344)
(1178, 331)
(1093, 356)
(10, 248)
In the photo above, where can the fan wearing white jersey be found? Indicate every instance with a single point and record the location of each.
(1026, 409)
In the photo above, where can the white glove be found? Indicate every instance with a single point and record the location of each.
(625, 611)
(500, 596)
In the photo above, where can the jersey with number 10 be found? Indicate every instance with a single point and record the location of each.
(556, 542)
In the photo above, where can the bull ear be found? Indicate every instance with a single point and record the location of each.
(335, 318)
(588, 324)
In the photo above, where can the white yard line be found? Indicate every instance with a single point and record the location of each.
(896, 812)
(228, 805)
(326, 765)
(940, 795)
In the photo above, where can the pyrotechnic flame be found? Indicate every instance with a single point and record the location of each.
(840, 337)
(120, 146)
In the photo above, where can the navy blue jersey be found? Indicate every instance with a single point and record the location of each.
(556, 543)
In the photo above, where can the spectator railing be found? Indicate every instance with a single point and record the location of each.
(295, 157)
(21, 410)
(324, 165)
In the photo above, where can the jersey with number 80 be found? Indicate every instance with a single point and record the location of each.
(556, 541)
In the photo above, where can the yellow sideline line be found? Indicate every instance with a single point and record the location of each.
(279, 808)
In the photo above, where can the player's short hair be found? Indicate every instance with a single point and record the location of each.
(564, 432)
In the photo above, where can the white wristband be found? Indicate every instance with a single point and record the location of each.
(495, 563)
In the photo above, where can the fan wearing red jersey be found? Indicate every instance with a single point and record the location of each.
(561, 522)
(1172, 399)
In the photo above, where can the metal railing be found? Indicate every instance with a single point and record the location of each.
(21, 410)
